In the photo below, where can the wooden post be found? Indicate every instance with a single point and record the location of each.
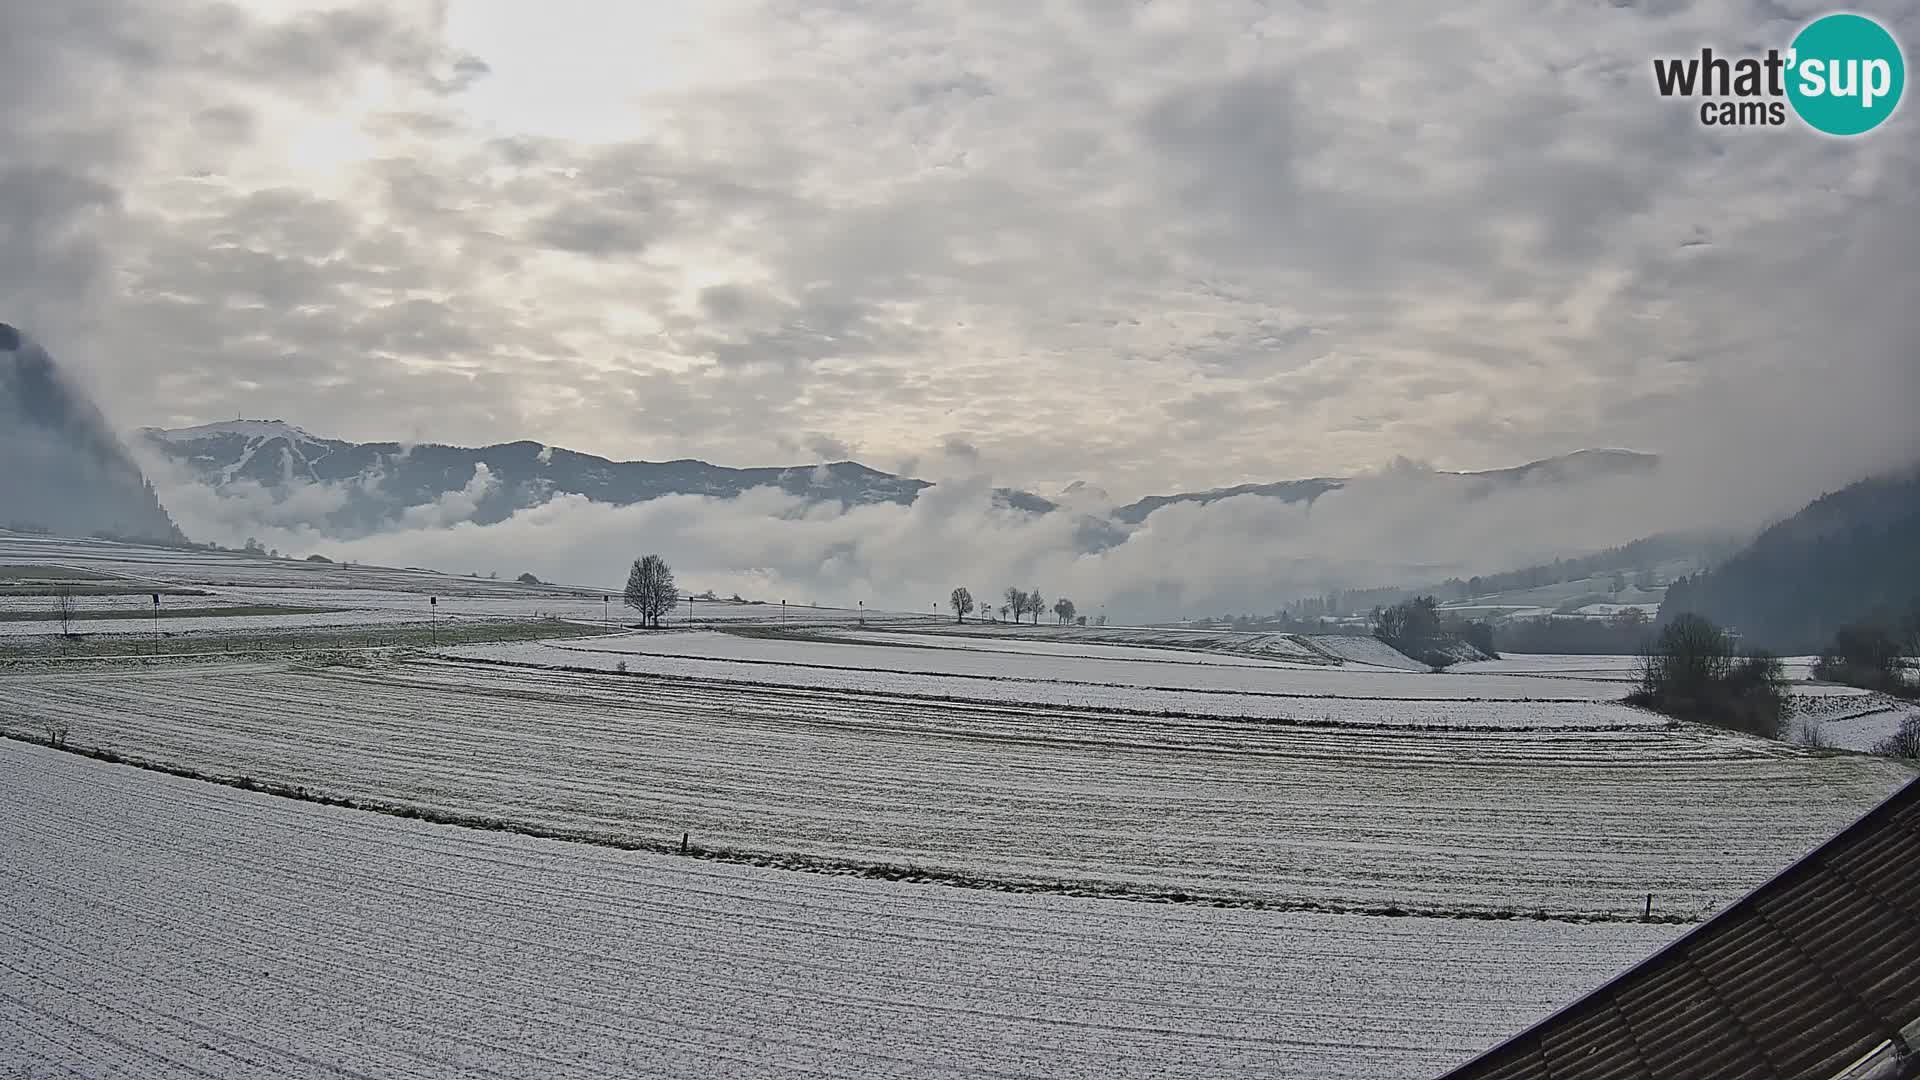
(1649, 915)
(683, 842)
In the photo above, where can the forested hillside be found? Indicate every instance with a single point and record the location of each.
(1850, 555)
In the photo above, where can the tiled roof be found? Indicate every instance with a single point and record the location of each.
(1811, 975)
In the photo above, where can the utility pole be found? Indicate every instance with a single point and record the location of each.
(783, 613)
(606, 611)
(156, 624)
(433, 618)
(863, 613)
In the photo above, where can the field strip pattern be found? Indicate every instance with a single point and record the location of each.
(1330, 709)
(1120, 670)
(1009, 645)
(1570, 823)
(156, 928)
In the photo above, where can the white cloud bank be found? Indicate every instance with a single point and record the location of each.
(1402, 524)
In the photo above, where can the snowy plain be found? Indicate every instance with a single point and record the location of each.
(1121, 669)
(364, 595)
(256, 936)
(1338, 711)
(1579, 823)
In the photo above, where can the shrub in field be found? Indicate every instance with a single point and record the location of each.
(1867, 655)
(1416, 629)
(1692, 673)
(1904, 743)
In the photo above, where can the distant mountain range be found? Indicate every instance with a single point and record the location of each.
(65, 470)
(1567, 468)
(379, 483)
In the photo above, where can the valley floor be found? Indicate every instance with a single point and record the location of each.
(1184, 854)
(154, 927)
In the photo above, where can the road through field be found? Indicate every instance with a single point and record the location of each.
(156, 928)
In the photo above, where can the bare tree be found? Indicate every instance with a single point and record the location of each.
(1063, 610)
(650, 589)
(63, 610)
(56, 733)
(1035, 605)
(962, 603)
(1016, 603)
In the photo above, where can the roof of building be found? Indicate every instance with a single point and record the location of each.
(1814, 974)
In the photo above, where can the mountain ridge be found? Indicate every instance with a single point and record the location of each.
(66, 471)
(1844, 557)
(381, 480)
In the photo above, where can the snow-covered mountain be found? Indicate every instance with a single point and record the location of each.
(378, 483)
(1581, 465)
(65, 471)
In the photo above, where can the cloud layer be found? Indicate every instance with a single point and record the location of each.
(1156, 246)
(1401, 525)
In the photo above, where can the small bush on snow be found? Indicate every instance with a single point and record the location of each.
(1904, 743)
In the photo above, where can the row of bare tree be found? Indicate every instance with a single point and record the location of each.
(1018, 602)
(651, 592)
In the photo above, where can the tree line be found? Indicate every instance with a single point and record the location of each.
(1845, 559)
(1417, 629)
(652, 593)
(1016, 604)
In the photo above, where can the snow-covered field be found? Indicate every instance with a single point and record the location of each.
(1625, 670)
(1332, 710)
(152, 926)
(194, 624)
(1122, 669)
(1022, 645)
(1276, 646)
(1583, 822)
(1859, 721)
(364, 595)
(162, 928)
(1365, 650)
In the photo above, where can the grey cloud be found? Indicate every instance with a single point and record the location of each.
(225, 124)
(1141, 251)
(827, 448)
(599, 233)
(465, 71)
(314, 47)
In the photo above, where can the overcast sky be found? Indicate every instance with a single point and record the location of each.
(1152, 245)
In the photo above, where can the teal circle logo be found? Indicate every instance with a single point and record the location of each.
(1846, 74)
